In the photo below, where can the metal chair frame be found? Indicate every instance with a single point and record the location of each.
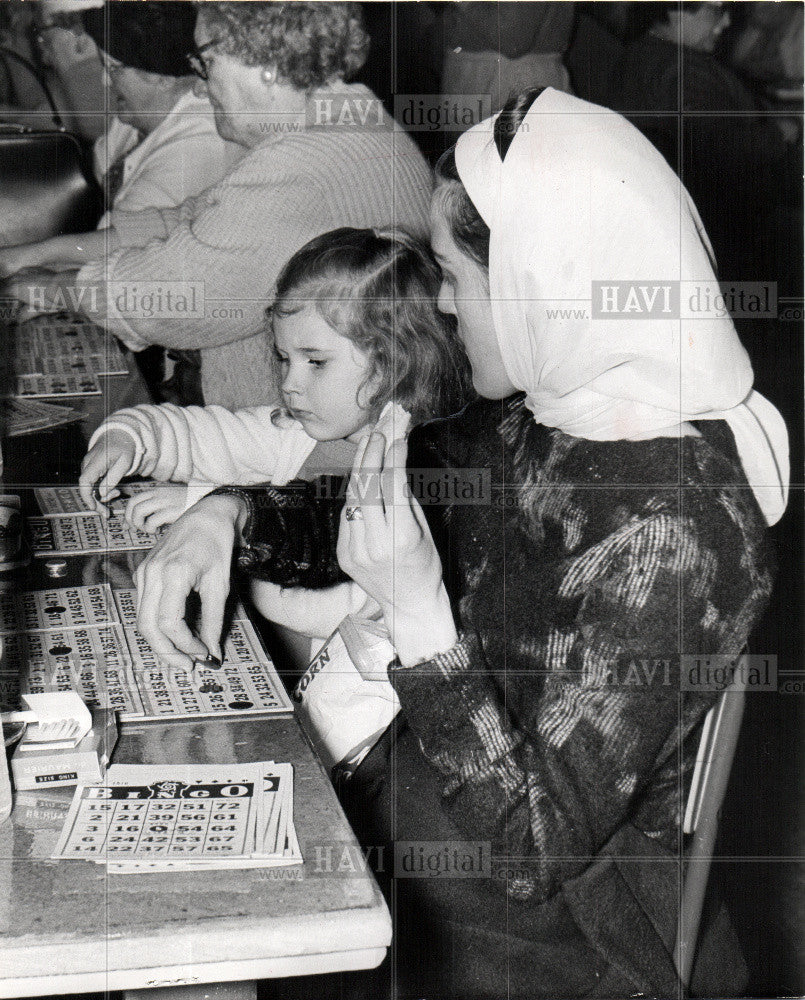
(711, 775)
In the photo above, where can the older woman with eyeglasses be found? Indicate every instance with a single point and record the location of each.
(161, 146)
(320, 153)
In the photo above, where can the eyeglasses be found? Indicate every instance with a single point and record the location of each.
(196, 61)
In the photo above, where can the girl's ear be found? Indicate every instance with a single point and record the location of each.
(367, 393)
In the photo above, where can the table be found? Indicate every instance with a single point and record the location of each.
(69, 927)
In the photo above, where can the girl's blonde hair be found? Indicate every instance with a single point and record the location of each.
(379, 289)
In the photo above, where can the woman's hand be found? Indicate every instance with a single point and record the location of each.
(104, 465)
(385, 545)
(194, 554)
(59, 252)
(45, 290)
(152, 509)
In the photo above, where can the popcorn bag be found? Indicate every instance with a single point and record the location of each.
(345, 701)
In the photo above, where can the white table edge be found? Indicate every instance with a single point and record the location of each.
(264, 952)
(192, 975)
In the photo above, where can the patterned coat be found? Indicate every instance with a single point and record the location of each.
(558, 732)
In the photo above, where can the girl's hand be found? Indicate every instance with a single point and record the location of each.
(104, 465)
(385, 545)
(151, 509)
(194, 554)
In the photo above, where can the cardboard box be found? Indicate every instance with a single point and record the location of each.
(33, 765)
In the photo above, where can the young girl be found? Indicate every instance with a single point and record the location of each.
(355, 328)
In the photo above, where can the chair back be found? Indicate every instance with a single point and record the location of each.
(46, 187)
(711, 774)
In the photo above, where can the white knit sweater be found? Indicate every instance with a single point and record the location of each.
(233, 239)
(209, 446)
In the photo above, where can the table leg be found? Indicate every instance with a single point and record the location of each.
(205, 991)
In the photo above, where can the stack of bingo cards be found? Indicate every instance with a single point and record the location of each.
(191, 817)
(62, 355)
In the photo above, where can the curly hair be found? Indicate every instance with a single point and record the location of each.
(308, 43)
(378, 289)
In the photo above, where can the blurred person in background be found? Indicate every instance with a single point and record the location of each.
(161, 146)
(50, 33)
(768, 48)
(16, 35)
(501, 49)
(320, 153)
(743, 168)
(595, 49)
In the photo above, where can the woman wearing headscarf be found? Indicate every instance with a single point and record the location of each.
(546, 715)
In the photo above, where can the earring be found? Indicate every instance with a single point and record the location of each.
(267, 76)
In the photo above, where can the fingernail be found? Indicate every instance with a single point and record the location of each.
(213, 662)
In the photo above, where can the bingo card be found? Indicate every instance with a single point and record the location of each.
(55, 501)
(171, 812)
(82, 534)
(56, 608)
(63, 384)
(73, 339)
(85, 639)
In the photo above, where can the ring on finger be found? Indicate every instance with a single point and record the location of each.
(353, 514)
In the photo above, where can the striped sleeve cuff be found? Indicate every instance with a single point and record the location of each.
(440, 699)
(454, 661)
(136, 229)
(110, 424)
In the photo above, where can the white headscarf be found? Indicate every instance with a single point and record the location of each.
(582, 196)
